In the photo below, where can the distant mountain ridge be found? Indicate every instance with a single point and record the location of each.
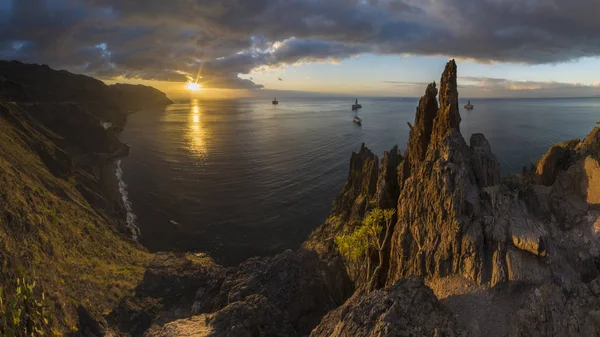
(21, 82)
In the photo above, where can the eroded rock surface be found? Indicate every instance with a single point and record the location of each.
(254, 316)
(512, 256)
(406, 308)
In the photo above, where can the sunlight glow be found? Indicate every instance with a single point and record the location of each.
(193, 86)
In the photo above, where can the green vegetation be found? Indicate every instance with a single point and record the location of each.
(51, 234)
(23, 314)
(371, 235)
(334, 220)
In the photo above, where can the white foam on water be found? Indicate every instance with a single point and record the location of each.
(131, 217)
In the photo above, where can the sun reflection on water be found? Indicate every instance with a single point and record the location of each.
(197, 135)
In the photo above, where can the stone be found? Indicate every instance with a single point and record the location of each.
(525, 268)
(254, 316)
(388, 190)
(487, 167)
(528, 235)
(407, 308)
(558, 158)
(299, 284)
(420, 134)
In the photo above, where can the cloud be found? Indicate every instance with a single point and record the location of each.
(488, 83)
(177, 39)
(499, 87)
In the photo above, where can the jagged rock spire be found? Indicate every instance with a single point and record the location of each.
(420, 134)
(433, 122)
(448, 116)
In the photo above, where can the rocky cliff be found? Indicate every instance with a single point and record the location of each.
(61, 216)
(513, 256)
(529, 244)
(468, 252)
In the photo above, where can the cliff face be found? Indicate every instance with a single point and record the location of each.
(455, 217)
(474, 237)
(467, 254)
(61, 218)
(406, 308)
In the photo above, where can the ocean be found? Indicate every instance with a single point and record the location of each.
(241, 178)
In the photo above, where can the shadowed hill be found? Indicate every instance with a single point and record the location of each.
(52, 232)
(62, 222)
(39, 83)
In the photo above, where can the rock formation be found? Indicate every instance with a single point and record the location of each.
(515, 256)
(406, 308)
(286, 295)
(473, 236)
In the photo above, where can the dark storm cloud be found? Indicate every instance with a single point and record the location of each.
(174, 40)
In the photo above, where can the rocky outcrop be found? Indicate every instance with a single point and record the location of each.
(167, 291)
(387, 191)
(456, 218)
(371, 184)
(254, 316)
(516, 256)
(420, 133)
(360, 186)
(558, 158)
(406, 308)
(485, 164)
(350, 205)
(547, 310)
(299, 284)
(89, 324)
(288, 293)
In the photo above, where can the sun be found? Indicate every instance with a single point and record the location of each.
(193, 86)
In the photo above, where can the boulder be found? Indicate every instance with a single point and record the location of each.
(253, 317)
(407, 308)
(558, 158)
(168, 289)
(299, 284)
(547, 311)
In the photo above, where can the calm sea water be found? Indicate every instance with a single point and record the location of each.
(244, 178)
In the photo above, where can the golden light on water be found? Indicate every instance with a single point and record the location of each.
(197, 135)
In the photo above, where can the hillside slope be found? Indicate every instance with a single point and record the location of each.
(62, 222)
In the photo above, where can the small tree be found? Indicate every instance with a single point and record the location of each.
(375, 222)
(352, 247)
(356, 247)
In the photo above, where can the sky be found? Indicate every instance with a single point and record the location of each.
(240, 48)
